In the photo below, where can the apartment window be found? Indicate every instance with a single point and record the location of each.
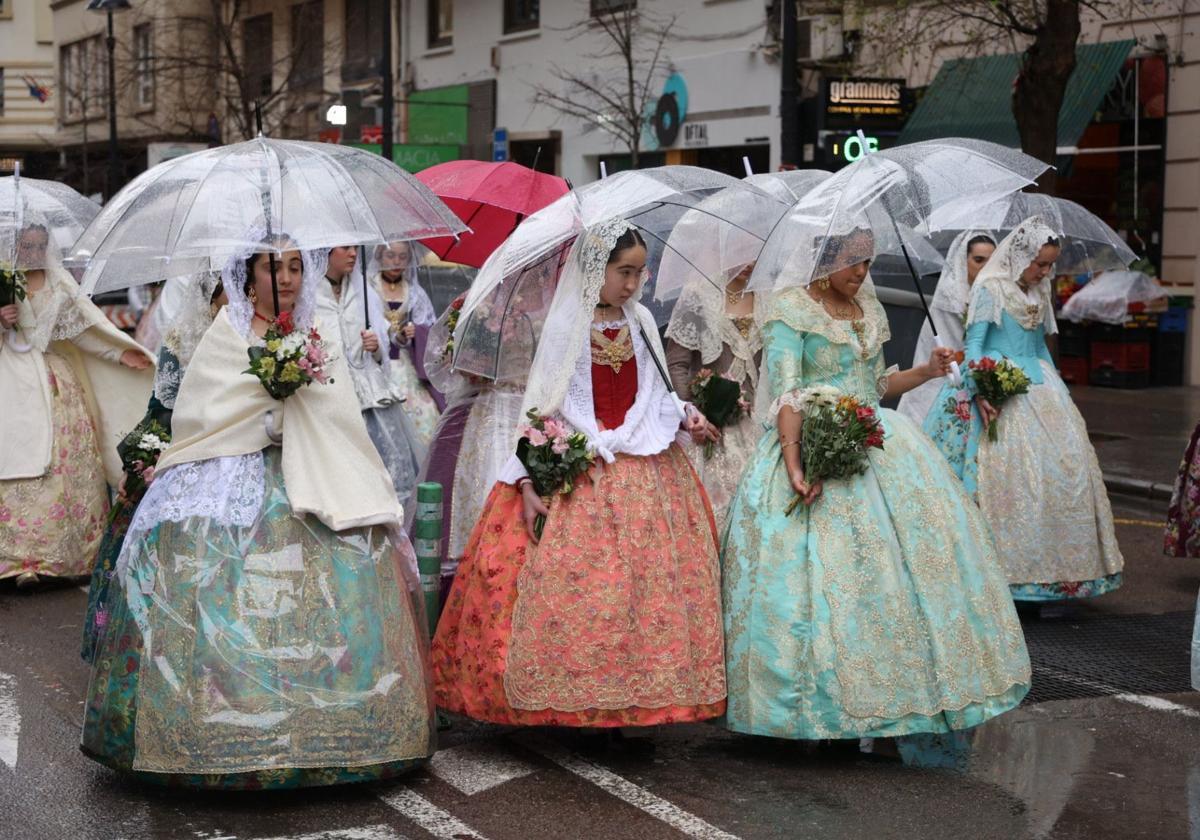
(143, 43)
(1, 88)
(364, 40)
(308, 46)
(258, 61)
(441, 22)
(84, 67)
(5, 8)
(603, 7)
(520, 15)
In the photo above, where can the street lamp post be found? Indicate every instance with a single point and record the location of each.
(108, 7)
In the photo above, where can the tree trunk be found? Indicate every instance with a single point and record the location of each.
(1041, 84)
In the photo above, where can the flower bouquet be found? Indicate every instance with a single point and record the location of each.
(719, 399)
(12, 286)
(139, 451)
(554, 456)
(456, 306)
(996, 382)
(289, 359)
(838, 430)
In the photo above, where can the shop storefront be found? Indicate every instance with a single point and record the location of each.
(831, 121)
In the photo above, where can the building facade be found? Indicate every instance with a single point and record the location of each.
(27, 88)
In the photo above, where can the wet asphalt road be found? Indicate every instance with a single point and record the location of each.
(1101, 766)
(1114, 762)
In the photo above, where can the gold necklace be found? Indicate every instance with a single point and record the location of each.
(732, 296)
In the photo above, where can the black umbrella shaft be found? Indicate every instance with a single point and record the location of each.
(661, 370)
(916, 280)
(362, 252)
(274, 283)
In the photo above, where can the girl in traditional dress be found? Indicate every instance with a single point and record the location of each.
(612, 618)
(878, 607)
(717, 330)
(185, 310)
(408, 310)
(263, 629)
(1039, 485)
(968, 254)
(341, 313)
(73, 385)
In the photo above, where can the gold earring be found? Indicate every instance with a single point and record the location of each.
(253, 295)
(823, 284)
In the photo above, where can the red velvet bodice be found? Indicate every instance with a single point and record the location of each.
(613, 393)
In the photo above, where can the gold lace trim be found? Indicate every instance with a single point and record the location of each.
(612, 352)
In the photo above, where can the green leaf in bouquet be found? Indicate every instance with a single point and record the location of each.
(721, 403)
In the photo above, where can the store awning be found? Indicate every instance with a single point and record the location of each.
(972, 97)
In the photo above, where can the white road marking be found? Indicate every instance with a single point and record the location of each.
(627, 791)
(86, 590)
(1158, 704)
(370, 832)
(10, 720)
(1083, 681)
(431, 818)
(478, 766)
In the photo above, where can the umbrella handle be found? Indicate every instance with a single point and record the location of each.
(362, 252)
(955, 375)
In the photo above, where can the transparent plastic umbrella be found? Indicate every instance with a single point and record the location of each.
(27, 203)
(789, 185)
(517, 282)
(884, 203)
(191, 214)
(705, 245)
(1089, 245)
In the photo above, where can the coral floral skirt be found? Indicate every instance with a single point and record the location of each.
(614, 619)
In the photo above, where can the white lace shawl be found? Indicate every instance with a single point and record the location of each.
(57, 316)
(699, 322)
(996, 288)
(416, 300)
(241, 311)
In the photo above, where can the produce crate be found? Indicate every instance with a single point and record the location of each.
(1072, 339)
(1167, 359)
(1139, 328)
(1174, 320)
(1073, 369)
(1110, 378)
(1120, 356)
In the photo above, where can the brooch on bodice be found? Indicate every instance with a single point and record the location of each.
(612, 352)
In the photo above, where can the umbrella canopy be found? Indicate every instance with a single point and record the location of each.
(1112, 296)
(27, 203)
(789, 185)
(884, 202)
(491, 198)
(191, 214)
(516, 284)
(1089, 244)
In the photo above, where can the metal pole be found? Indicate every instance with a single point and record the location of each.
(362, 252)
(389, 99)
(427, 544)
(789, 93)
(114, 163)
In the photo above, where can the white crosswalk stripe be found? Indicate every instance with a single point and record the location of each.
(478, 766)
(625, 790)
(10, 720)
(431, 818)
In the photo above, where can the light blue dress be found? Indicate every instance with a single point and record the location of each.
(1039, 485)
(881, 610)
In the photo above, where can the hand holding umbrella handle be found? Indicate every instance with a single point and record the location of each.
(955, 375)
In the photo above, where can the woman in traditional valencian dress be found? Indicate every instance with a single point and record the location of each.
(341, 313)
(408, 309)
(1039, 485)
(717, 330)
(263, 630)
(73, 385)
(878, 607)
(186, 308)
(612, 618)
(968, 254)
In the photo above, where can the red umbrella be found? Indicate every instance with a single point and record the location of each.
(492, 198)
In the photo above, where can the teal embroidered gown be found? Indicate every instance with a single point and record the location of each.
(1039, 485)
(881, 610)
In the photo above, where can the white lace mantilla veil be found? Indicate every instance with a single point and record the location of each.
(699, 318)
(183, 315)
(420, 307)
(953, 291)
(554, 384)
(60, 318)
(999, 279)
(233, 275)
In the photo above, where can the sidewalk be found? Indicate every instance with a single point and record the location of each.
(1139, 435)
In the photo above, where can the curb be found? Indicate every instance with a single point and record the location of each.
(1138, 487)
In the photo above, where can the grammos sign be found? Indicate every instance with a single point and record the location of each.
(853, 103)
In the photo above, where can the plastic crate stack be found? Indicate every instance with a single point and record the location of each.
(1073, 352)
(1170, 344)
(1119, 355)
